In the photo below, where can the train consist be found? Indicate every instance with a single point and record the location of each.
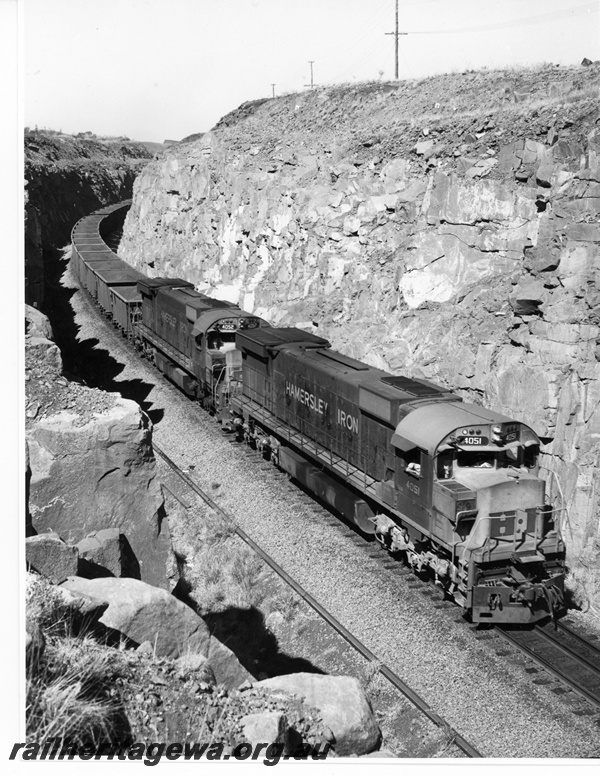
(452, 487)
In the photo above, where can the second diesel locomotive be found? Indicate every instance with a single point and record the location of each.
(452, 487)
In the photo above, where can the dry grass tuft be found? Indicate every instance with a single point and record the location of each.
(70, 694)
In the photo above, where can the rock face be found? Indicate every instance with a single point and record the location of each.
(91, 464)
(342, 704)
(458, 248)
(68, 178)
(94, 474)
(143, 613)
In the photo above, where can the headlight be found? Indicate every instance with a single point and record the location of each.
(497, 434)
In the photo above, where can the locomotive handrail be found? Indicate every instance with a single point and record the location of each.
(562, 498)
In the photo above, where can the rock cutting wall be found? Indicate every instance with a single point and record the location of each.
(67, 178)
(90, 463)
(418, 233)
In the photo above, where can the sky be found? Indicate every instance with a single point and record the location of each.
(164, 69)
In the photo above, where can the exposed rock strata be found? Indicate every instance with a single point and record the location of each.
(91, 464)
(420, 235)
(87, 476)
(67, 178)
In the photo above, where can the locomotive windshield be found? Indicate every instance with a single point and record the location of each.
(502, 459)
(215, 340)
(515, 457)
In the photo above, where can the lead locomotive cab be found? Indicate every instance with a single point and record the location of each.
(477, 474)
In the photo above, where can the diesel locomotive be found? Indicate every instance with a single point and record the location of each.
(450, 486)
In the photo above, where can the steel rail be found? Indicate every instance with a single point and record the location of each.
(581, 659)
(580, 639)
(393, 678)
(549, 667)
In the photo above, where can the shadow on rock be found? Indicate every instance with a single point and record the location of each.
(83, 361)
(245, 633)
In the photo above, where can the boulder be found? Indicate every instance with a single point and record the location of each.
(100, 554)
(51, 557)
(267, 727)
(342, 704)
(90, 474)
(146, 613)
(37, 324)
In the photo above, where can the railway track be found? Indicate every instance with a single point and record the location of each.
(562, 653)
(461, 743)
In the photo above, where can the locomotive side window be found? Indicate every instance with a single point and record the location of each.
(412, 462)
(511, 457)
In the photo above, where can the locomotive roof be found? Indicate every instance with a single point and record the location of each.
(261, 341)
(427, 425)
(206, 319)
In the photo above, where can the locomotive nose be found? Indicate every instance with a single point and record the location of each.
(506, 509)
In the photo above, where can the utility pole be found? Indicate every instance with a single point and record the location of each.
(273, 87)
(311, 63)
(396, 34)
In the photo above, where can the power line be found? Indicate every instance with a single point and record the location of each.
(369, 25)
(363, 37)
